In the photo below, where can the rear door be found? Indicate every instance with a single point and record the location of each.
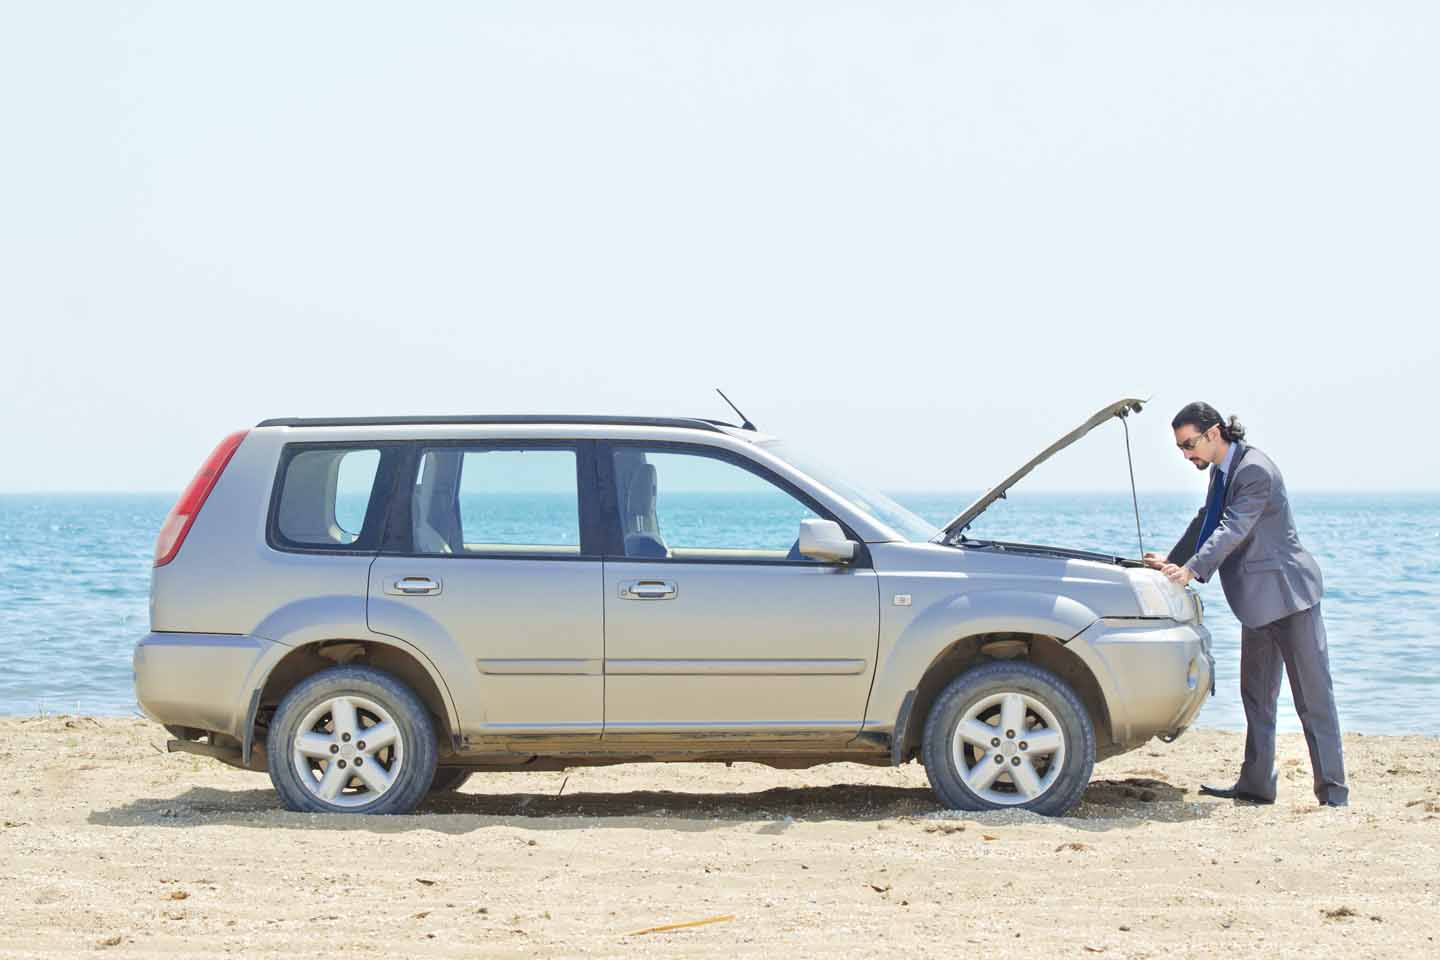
(496, 571)
(714, 625)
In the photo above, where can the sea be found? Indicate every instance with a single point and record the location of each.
(75, 577)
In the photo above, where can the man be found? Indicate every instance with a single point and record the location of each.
(1273, 585)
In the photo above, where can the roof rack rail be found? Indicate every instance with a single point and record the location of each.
(692, 423)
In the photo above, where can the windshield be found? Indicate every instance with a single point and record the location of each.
(879, 506)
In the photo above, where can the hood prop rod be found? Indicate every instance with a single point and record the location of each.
(1134, 498)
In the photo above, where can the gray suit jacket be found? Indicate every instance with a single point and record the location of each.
(1265, 571)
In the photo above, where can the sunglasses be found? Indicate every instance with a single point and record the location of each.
(1188, 445)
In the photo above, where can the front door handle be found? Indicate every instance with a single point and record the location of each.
(414, 587)
(648, 590)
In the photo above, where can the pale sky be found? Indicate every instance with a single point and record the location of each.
(921, 240)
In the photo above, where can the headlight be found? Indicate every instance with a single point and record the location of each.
(1158, 597)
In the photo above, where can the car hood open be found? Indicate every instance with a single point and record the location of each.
(1119, 409)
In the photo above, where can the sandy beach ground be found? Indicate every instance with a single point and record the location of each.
(111, 846)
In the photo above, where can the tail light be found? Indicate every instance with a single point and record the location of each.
(182, 515)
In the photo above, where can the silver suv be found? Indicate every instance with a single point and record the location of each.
(376, 609)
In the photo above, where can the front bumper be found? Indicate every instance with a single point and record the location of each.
(1155, 675)
(201, 680)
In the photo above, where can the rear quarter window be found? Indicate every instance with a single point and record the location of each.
(326, 498)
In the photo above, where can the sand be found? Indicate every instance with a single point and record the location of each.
(110, 846)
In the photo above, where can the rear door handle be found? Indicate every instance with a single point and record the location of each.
(648, 590)
(414, 587)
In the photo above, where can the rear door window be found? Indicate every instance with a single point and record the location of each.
(327, 498)
(489, 501)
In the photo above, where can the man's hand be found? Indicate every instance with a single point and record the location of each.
(1177, 575)
(1153, 560)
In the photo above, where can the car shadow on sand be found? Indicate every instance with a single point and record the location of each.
(1106, 805)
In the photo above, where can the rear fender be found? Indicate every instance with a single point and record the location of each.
(322, 623)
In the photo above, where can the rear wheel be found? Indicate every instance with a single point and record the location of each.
(1009, 734)
(351, 739)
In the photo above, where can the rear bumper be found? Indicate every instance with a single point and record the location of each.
(201, 680)
(1155, 675)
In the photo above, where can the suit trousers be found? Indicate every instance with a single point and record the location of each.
(1294, 645)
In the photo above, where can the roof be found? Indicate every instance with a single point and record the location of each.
(692, 423)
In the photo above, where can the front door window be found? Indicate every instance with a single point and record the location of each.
(689, 506)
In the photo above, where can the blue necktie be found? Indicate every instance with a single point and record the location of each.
(1213, 508)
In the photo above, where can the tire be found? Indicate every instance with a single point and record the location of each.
(1045, 754)
(449, 779)
(317, 768)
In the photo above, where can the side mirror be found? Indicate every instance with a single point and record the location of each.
(824, 540)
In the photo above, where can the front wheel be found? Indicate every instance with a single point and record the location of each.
(351, 739)
(1009, 734)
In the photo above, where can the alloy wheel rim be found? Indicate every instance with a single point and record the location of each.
(348, 751)
(1008, 748)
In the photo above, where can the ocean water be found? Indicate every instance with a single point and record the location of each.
(75, 569)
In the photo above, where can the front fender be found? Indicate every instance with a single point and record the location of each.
(910, 643)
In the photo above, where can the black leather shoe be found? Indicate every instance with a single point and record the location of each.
(1334, 803)
(1232, 793)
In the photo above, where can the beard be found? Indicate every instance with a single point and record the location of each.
(1199, 464)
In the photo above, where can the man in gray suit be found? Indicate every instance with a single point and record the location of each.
(1247, 533)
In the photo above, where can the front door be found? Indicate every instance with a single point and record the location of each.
(500, 585)
(714, 624)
